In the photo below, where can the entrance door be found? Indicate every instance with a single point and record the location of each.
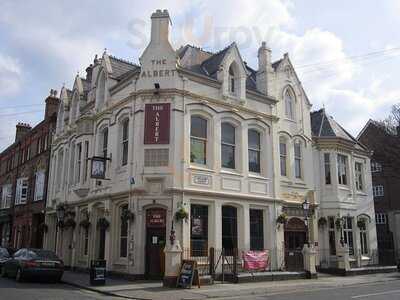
(155, 242)
(102, 242)
(295, 237)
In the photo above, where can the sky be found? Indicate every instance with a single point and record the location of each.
(346, 53)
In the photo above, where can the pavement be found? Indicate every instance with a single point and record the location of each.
(147, 290)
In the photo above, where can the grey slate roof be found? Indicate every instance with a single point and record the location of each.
(324, 126)
(120, 67)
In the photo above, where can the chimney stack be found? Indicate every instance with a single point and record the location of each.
(21, 130)
(160, 26)
(264, 68)
(52, 103)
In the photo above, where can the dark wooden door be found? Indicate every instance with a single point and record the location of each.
(295, 238)
(155, 243)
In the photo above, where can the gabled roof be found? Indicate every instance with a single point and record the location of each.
(120, 67)
(324, 126)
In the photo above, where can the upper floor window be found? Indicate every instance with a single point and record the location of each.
(59, 170)
(228, 146)
(39, 146)
(378, 191)
(78, 162)
(104, 142)
(124, 142)
(327, 167)
(283, 156)
(358, 168)
(21, 193)
(254, 150)
(198, 140)
(376, 167)
(342, 169)
(232, 83)
(289, 104)
(380, 218)
(39, 185)
(85, 162)
(298, 160)
(6, 193)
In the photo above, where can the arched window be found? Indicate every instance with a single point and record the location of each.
(123, 232)
(101, 90)
(232, 80)
(227, 146)
(124, 141)
(198, 140)
(283, 155)
(298, 160)
(289, 103)
(254, 150)
(229, 228)
(362, 225)
(104, 142)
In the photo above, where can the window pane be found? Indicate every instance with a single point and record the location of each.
(199, 229)
(254, 139)
(229, 228)
(254, 161)
(327, 164)
(198, 151)
(228, 156)
(228, 133)
(198, 127)
(256, 229)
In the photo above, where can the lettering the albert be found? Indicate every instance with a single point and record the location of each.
(158, 73)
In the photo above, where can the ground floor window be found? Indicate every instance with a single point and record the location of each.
(123, 233)
(363, 239)
(198, 229)
(229, 228)
(332, 238)
(85, 241)
(348, 234)
(256, 229)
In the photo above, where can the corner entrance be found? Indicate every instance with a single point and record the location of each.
(295, 237)
(155, 242)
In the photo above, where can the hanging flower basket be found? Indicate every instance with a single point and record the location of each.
(103, 223)
(84, 223)
(361, 224)
(70, 223)
(322, 222)
(339, 223)
(282, 219)
(127, 215)
(181, 214)
(43, 227)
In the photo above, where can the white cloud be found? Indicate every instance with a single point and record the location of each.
(10, 75)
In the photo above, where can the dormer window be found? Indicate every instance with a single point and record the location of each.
(232, 88)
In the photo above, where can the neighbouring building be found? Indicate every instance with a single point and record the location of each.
(24, 168)
(385, 168)
(344, 189)
(189, 144)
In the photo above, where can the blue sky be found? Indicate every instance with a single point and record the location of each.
(43, 44)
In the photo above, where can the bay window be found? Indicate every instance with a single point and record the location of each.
(198, 140)
(228, 146)
(342, 169)
(254, 150)
(327, 165)
(359, 176)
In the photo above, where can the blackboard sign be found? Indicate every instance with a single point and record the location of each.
(187, 273)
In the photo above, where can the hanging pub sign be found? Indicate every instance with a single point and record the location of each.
(98, 168)
(156, 218)
(157, 123)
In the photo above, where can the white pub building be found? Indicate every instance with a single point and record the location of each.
(200, 147)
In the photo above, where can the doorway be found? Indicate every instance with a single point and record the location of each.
(155, 242)
(102, 242)
(295, 238)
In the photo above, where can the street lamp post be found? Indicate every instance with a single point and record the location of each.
(306, 209)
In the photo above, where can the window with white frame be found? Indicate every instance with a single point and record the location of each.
(39, 185)
(289, 103)
(124, 141)
(198, 140)
(254, 144)
(6, 196)
(378, 191)
(123, 233)
(21, 193)
(78, 162)
(358, 168)
(342, 169)
(228, 145)
(298, 160)
(283, 155)
(232, 80)
(363, 238)
(380, 218)
(376, 167)
(327, 168)
(348, 234)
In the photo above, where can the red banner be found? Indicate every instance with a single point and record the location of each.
(157, 123)
(156, 218)
(256, 260)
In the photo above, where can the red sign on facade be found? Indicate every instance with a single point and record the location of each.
(156, 218)
(157, 123)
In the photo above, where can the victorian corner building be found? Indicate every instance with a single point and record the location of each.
(201, 148)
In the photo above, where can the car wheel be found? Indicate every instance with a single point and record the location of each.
(3, 272)
(18, 276)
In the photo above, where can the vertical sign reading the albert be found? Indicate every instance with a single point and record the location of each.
(157, 123)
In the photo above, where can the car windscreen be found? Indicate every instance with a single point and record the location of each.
(43, 254)
(4, 253)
